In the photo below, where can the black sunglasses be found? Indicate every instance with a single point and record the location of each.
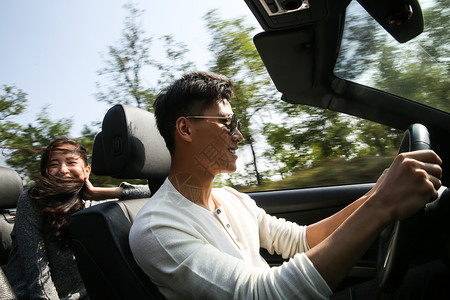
(232, 122)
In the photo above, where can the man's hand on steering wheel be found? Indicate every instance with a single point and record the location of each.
(420, 168)
(410, 182)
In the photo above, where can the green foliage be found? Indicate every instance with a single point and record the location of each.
(129, 63)
(123, 71)
(329, 172)
(301, 138)
(417, 70)
(235, 56)
(376, 139)
(306, 136)
(435, 41)
(87, 137)
(361, 37)
(412, 76)
(23, 144)
(176, 63)
(13, 102)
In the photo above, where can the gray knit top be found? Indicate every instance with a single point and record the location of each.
(39, 268)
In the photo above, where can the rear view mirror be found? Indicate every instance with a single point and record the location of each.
(402, 19)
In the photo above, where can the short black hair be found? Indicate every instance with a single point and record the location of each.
(192, 94)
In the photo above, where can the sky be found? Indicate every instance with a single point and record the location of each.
(52, 49)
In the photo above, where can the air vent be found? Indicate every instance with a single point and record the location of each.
(287, 14)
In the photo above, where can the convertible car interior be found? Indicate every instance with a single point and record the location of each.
(130, 143)
(299, 45)
(129, 137)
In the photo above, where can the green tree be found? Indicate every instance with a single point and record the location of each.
(235, 56)
(123, 82)
(87, 139)
(416, 75)
(377, 139)
(13, 102)
(362, 36)
(362, 42)
(306, 136)
(413, 76)
(175, 63)
(124, 78)
(435, 41)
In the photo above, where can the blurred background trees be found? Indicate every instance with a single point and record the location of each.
(284, 145)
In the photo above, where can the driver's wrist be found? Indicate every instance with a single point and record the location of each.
(384, 213)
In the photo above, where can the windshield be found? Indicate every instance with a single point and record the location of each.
(417, 70)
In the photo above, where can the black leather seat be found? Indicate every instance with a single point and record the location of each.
(11, 187)
(129, 146)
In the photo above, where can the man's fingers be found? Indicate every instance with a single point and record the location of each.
(428, 156)
(429, 162)
(433, 169)
(433, 174)
(436, 182)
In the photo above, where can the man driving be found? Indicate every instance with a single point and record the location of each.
(196, 241)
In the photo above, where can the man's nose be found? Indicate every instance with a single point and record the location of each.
(237, 135)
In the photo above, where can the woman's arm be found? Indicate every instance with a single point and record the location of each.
(124, 191)
(92, 192)
(32, 249)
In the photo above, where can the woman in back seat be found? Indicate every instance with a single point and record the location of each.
(41, 264)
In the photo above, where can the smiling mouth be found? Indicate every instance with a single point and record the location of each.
(232, 151)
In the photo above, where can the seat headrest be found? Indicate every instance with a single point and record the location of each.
(130, 146)
(11, 187)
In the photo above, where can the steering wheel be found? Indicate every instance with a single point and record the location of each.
(397, 240)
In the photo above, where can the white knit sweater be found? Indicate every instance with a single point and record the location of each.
(192, 253)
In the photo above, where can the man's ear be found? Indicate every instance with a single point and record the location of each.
(183, 129)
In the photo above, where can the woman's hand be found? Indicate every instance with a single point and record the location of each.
(100, 193)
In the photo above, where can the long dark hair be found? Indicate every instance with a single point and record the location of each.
(58, 198)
